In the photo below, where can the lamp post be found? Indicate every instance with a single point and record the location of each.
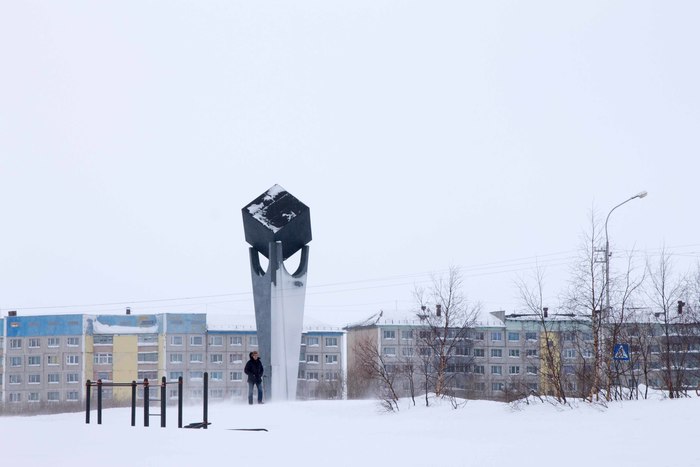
(598, 317)
(639, 195)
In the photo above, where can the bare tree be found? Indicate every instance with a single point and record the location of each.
(665, 292)
(447, 317)
(372, 366)
(586, 293)
(532, 299)
(616, 327)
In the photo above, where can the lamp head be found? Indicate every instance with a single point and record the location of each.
(640, 194)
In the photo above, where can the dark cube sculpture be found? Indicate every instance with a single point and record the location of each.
(275, 216)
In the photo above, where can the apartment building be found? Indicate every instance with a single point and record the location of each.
(514, 355)
(45, 361)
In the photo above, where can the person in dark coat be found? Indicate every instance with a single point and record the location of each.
(254, 370)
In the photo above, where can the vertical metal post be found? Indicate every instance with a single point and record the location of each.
(87, 402)
(206, 400)
(162, 402)
(99, 402)
(146, 402)
(133, 403)
(179, 402)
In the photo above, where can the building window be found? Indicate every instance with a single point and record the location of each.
(478, 336)
(34, 343)
(196, 358)
(531, 370)
(331, 359)
(33, 397)
(34, 360)
(236, 376)
(569, 369)
(53, 378)
(311, 358)
(72, 360)
(147, 339)
(312, 375)
(496, 370)
(407, 334)
(53, 342)
(569, 353)
(73, 341)
(390, 351)
(497, 386)
(407, 351)
(216, 358)
(103, 340)
(216, 375)
(196, 341)
(531, 352)
(496, 336)
(150, 375)
(73, 378)
(15, 361)
(424, 351)
(196, 375)
(104, 375)
(389, 334)
(513, 370)
(53, 396)
(331, 342)
(479, 352)
(216, 340)
(479, 369)
(513, 336)
(514, 352)
(568, 336)
(216, 393)
(72, 396)
(176, 340)
(253, 341)
(310, 341)
(175, 358)
(175, 375)
(496, 353)
(15, 343)
(531, 336)
(235, 340)
(15, 397)
(103, 359)
(235, 357)
(148, 357)
(15, 379)
(332, 376)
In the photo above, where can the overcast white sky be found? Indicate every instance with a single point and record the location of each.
(420, 134)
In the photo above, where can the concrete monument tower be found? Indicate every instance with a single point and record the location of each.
(277, 225)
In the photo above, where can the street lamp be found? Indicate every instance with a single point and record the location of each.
(639, 195)
(598, 317)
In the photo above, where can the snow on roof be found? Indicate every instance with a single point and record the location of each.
(226, 322)
(101, 328)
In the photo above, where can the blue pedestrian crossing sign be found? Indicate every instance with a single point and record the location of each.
(621, 352)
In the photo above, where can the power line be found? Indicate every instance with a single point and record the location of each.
(555, 260)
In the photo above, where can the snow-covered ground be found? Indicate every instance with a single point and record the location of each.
(657, 432)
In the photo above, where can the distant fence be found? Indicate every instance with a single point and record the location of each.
(99, 384)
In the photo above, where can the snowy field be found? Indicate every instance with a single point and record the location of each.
(658, 432)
